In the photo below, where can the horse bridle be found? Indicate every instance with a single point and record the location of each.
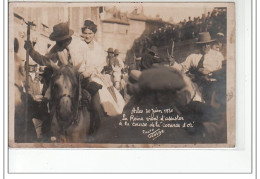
(64, 95)
(75, 119)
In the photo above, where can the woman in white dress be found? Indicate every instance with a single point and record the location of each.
(92, 58)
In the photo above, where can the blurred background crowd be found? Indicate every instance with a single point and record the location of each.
(184, 34)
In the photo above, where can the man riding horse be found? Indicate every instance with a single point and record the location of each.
(201, 65)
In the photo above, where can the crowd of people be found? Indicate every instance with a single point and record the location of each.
(214, 22)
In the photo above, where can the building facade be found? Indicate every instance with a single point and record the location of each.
(115, 29)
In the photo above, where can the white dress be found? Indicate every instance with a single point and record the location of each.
(92, 60)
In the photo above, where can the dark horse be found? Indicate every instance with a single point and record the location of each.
(70, 120)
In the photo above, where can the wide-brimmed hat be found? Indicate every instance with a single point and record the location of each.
(116, 52)
(110, 50)
(153, 49)
(60, 32)
(204, 37)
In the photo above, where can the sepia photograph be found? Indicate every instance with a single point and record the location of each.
(122, 75)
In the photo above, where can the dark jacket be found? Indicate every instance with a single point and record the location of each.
(47, 59)
(148, 60)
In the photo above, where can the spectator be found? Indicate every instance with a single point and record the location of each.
(150, 58)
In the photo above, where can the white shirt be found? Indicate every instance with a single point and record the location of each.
(212, 61)
(91, 59)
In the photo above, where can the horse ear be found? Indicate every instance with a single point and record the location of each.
(76, 68)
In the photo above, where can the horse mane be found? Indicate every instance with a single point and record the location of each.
(67, 70)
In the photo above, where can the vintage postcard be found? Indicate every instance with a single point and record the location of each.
(122, 75)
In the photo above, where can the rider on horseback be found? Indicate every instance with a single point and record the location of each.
(200, 66)
(117, 66)
(108, 68)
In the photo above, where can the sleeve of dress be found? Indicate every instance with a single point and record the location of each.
(76, 50)
(102, 57)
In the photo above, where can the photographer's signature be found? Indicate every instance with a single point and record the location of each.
(153, 134)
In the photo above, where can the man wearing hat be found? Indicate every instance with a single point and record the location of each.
(59, 53)
(203, 64)
(33, 79)
(108, 68)
(117, 65)
(110, 55)
(120, 61)
(207, 60)
(150, 58)
(38, 108)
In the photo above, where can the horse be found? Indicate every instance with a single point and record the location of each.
(70, 120)
(22, 133)
(116, 78)
(19, 100)
(19, 78)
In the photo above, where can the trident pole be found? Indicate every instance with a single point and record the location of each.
(29, 24)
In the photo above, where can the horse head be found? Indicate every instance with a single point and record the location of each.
(65, 93)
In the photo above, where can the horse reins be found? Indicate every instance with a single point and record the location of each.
(76, 120)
